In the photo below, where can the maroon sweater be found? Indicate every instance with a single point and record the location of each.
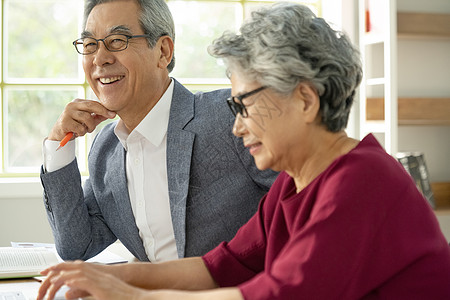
(360, 230)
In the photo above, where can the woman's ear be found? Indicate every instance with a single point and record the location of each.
(309, 100)
(165, 44)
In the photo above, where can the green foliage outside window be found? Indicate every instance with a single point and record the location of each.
(39, 40)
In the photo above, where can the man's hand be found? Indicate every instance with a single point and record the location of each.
(80, 117)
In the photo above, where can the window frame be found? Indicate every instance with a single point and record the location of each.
(192, 84)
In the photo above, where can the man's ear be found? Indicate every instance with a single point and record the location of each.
(309, 99)
(165, 44)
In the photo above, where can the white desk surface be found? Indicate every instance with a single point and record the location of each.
(28, 287)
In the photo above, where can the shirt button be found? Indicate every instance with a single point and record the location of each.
(137, 161)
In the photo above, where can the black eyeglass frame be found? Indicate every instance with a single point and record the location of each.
(237, 106)
(128, 37)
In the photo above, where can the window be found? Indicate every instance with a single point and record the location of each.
(197, 24)
(41, 72)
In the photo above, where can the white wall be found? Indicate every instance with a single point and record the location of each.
(430, 6)
(23, 220)
(22, 214)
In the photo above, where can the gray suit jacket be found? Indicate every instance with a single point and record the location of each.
(214, 186)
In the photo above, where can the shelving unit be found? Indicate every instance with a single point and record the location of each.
(413, 111)
(421, 111)
(383, 113)
(386, 78)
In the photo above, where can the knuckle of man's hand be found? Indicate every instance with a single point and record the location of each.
(71, 106)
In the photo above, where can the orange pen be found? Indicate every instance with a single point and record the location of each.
(64, 141)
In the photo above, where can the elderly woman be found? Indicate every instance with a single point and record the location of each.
(342, 221)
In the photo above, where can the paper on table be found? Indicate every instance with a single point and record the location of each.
(104, 257)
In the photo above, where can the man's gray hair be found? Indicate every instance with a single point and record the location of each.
(286, 44)
(156, 20)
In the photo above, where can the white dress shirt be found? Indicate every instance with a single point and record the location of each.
(146, 171)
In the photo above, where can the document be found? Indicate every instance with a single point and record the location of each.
(105, 257)
(25, 262)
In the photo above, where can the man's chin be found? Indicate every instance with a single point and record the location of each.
(110, 104)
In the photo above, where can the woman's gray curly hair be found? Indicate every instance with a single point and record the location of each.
(286, 44)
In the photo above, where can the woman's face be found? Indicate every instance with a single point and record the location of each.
(275, 127)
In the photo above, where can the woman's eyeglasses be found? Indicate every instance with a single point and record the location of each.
(236, 105)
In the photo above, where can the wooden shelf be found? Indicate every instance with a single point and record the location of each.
(423, 24)
(441, 193)
(442, 212)
(413, 111)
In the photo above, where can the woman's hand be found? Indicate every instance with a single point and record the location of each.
(85, 279)
(188, 276)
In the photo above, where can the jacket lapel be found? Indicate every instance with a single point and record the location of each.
(179, 154)
(129, 233)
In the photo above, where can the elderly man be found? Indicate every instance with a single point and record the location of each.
(168, 179)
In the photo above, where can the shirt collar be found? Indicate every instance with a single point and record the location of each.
(154, 126)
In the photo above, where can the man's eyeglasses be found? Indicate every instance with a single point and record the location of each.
(237, 106)
(113, 42)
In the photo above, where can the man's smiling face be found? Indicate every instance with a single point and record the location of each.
(123, 81)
